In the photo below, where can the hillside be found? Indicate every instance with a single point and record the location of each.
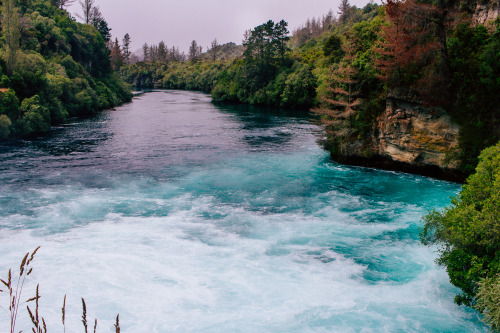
(52, 68)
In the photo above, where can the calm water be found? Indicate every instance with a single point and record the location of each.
(184, 216)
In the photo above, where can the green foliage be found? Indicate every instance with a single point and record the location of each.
(5, 124)
(488, 301)
(61, 69)
(469, 230)
(29, 75)
(35, 117)
(475, 62)
(9, 103)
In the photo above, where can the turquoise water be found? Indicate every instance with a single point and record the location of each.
(185, 216)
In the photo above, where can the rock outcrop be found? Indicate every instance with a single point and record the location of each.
(410, 133)
(409, 137)
(486, 12)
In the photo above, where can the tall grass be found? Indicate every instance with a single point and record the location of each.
(15, 289)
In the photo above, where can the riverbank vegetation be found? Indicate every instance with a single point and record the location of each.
(468, 233)
(53, 67)
(344, 67)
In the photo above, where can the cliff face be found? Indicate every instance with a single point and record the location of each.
(408, 137)
(486, 11)
(407, 132)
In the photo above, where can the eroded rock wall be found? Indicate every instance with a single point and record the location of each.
(410, 133)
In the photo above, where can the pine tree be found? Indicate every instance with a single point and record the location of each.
(145, 52)
(126, 48)
(342, 99)
(116, 55)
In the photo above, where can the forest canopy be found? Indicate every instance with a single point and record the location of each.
(52, 68)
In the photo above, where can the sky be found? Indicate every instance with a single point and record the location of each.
(181, 21)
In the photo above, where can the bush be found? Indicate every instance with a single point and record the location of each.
(35, 118)
(488, 301)
(5, 124)
(469, 230)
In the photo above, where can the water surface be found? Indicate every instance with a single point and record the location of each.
(185, 216)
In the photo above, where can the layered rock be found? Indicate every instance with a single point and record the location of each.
(486, 12)
(408, 137)
(410, 133)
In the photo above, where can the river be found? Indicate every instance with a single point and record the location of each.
(186, 216)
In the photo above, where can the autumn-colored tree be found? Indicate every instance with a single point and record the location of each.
(341, 101)
(413, 50)
(116, 55)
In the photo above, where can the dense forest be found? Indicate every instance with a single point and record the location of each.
(53, 67)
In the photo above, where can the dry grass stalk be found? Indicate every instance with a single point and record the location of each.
(15, 293)
(117, 325)
(64, 314)
(84, 316)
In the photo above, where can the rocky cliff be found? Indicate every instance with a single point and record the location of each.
(486, 12)
(409, 137)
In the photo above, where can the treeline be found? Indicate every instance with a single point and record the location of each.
(344, 65)
(52, 67)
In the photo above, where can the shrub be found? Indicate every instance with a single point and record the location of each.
(468, 231)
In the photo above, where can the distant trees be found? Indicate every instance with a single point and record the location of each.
(126, 48)
(344, 9)
(266, 43)
(195, 50)
(161, 53)
(87, 8)
(62, 3)
(213, 50)
(116, 55)
(313, 28)
(92, 16)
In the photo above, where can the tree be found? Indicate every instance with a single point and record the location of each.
(162, 52)
(62, 3)
(414, 50)
(344, 9)
(266, 43)
(194, 50)
(116, 55)
(214, 48)
(126, 48)
(341, 101)
(105, 31)
(87, 8)
(145, 52)
(468, 232)
(11, 33)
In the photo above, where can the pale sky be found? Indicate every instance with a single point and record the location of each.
(178, 22)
